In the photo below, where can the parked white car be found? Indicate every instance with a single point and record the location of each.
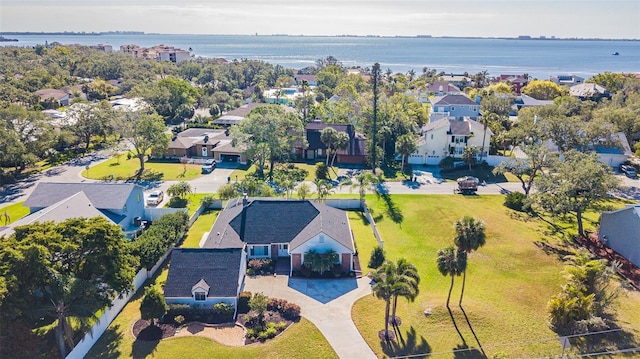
(155, 198)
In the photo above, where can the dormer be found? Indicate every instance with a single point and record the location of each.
(200, 290)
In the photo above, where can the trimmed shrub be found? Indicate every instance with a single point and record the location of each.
(516, 201)
(322, 171)
(377, 258)
(270, 332)
(281, 326)
(291, 311)
(243, 302)
(276, 304)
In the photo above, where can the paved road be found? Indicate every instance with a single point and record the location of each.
(326, 303)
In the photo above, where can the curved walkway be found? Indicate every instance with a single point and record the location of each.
(326, 303)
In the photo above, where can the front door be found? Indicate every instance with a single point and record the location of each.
(283, 250)
(204, 151)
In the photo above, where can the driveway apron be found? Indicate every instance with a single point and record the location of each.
(326, 303)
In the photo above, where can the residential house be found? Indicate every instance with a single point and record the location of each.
(203, 277)
(204, 143)
(59, 97)
(234, 117)
(442, 88)
(517, 82)
(524, 101)
(567, 80)
(156, 53)
(459, 80)
(355, 153)
(589, 91)
(448, 138)
(456, 106)
(311, 79)
(613, 151)
(283, 230)
(121, 203)
(620, 231)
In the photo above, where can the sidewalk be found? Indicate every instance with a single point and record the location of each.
(326, 303)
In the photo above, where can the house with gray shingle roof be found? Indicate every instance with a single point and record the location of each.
(454, 106)
(203, 277)
(620, 231)
(121, 203)
(283, 229)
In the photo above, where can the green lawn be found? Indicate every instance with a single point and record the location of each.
(127, 169)
(311, 169)
(509, 280)
(14, 211)
(193, 201)
(200, 226)
(118, 342)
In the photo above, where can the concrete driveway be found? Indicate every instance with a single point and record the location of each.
(326, 303)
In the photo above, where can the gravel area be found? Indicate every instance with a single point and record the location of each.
(227, 334)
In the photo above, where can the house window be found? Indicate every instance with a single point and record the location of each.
(432, 136)
(321, 238)
(200, 295)
(124, 209)
(259, 251)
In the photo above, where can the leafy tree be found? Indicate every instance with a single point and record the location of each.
(87, 121)
(486, 120)
(527, 169)
(145, 132)
(407, 275)
(153, 306)
(322, 171)
(258, 303)
(169, 95)
(377, 258)
(469, 237)
(341, 143)
(256, 133)
(451, 262)
(227, 191)
(74, 268)
(543, 90)
(405, 146)
(179, 189)
(613, 82)
(574, 185)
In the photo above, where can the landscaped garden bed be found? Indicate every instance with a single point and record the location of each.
(265, 317)
(146, 331)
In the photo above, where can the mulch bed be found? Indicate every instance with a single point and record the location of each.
(627, 269)
(143, 330)
(269, 316)
(382, 336)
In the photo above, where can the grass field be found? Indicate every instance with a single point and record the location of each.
(14, 211)
(311, 169)
(127, 169)
(509, 280)
(200, 226)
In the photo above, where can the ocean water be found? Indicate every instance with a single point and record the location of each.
(538, 58)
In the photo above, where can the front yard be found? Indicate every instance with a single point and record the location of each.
(13, 213)
(509, 280)
(127, 169)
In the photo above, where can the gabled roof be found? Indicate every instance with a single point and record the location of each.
(102, 195)
(48, 93)
(189, 267)
(201, 284)
(453, 99)
(457, 127)
(76, 206)
(587, 90)
(268, 221)
(442, 86)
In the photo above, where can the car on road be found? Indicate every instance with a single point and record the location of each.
(208, 166)
(629, 171)
(155, 198)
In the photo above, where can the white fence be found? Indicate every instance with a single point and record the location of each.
(154, 213)
(348, 203)
(493, 160)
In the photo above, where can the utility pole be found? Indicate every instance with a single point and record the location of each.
(374, 144)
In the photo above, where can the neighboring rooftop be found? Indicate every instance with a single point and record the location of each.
(102, 195)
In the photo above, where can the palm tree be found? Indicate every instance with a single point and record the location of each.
(407, 273)
(324, 189)
(341, 142)
(386, 283)
(405, 146)
(451, 263)
(328, 137)
(469, 237)
(485, 120)
(366, 181)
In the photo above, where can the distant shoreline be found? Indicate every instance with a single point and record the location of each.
(522, 38)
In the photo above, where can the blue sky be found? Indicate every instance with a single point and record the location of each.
(560, 18)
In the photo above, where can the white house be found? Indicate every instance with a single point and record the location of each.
(446, 137)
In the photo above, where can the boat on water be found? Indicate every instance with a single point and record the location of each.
(4, 39)
(616, 53)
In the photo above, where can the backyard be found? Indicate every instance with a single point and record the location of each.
(509, 280)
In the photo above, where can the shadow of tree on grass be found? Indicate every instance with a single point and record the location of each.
(462, 351)
(411, 345)
(111, 350)
(392, 209)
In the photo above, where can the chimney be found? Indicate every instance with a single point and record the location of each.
(243, 219)
(206, 138)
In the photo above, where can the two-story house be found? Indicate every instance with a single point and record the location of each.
(448, 138)
(453, 106)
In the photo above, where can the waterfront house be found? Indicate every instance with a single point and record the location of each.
(567, 80)
(589, 91)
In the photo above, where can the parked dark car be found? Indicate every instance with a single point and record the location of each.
(629, 171)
